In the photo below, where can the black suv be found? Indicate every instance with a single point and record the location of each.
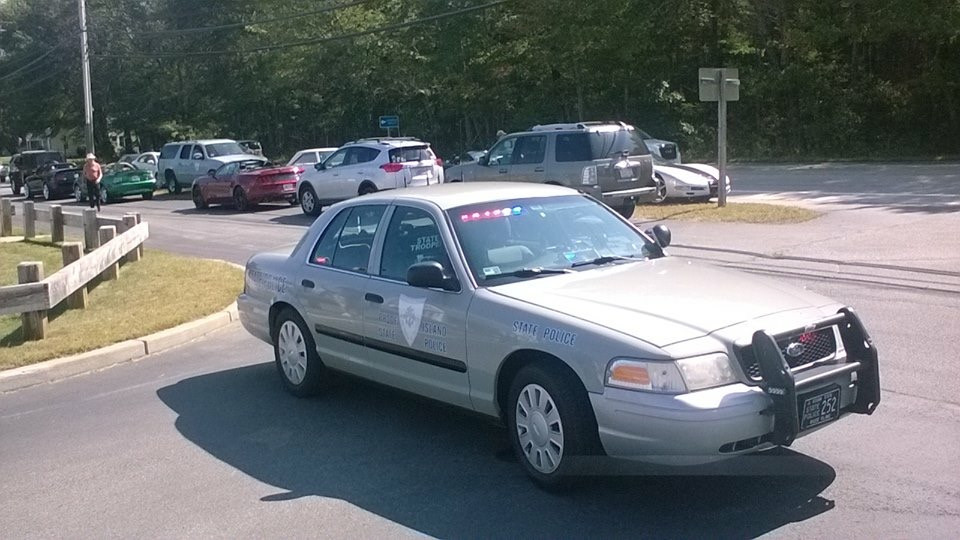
(27, 163)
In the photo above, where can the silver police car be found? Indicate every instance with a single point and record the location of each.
(539, 305)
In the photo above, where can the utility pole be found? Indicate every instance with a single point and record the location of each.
(720, 85)
(87, 92)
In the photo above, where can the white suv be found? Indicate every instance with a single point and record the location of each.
(366, 166)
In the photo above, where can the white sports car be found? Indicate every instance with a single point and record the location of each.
(693, 181)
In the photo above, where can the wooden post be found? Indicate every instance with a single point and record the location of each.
(140, 247)
(29, 220)
(108, 233)
(6, 217)
(91, 240)
(72, 251)
(129, 222)
(56, 223)
(34, 323)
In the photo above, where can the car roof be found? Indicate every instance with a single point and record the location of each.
(583, 126)
(456, 194)
(203, 141)
(389, 142)
(29, 152)
(322, 149)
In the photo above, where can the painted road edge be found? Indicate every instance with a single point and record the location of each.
(118, 353)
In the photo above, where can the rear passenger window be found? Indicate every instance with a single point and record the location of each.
(530, 149)
(573, 147)
(412, 237)
(347, 240)
(185, 152)
(365, 155)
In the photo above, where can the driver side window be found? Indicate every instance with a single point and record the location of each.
(502, 152)
(412, 237)
(336, 159)
(228, 170)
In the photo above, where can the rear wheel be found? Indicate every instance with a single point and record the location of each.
(198, 199)
(661, 193)
(296, 356)
(308, 201)
(627, 208)
(550, 422)
(104, 195)
(148, 195)
(366, 189)
(240, 201)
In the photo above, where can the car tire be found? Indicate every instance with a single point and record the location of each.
(627, 208)
(47, 194)
(172, 185)
(550, 423)
(104, 195)
(293, 201)
(148, 196)
(240, 200)
(661, 193)
(366, 189)
(295, 354)
(308, 201)
(198, 200)
(78, 194)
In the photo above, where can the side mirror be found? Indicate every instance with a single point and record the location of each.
(212, 173)
(430, 274)
(198, 155)
(484, 160)
(660, 233)
(319, 166)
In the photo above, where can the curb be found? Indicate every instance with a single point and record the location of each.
(118, 353)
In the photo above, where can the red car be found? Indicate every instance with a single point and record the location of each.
(246, 183)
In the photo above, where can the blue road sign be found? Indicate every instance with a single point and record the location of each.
(389, 122)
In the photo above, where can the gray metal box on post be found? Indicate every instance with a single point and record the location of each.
(720, 85)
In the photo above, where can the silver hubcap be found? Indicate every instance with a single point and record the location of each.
(103, 194)
(307, 201)
(661, 189)
(293, 352)
(171, 184)
(539, 428)
(46, 191)
(76, 193)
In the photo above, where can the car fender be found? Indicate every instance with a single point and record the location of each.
(689, 176)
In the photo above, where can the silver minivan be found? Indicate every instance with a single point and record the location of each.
(608, 160)
(181, 163)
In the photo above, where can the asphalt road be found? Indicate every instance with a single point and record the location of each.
(202, 441)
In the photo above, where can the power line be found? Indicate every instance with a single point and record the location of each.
(36, 82)
(251, 23)
(31, 63)
(311, 41)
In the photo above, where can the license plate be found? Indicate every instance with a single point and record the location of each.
(288, 187)
(819, 407)
(625, 175)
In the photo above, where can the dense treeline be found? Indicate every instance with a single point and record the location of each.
(820, 79)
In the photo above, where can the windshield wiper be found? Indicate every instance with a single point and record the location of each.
(529, 272)
(606, 259)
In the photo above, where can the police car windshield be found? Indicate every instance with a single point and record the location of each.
(550, 233)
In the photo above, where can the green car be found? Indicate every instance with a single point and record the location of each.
(119, 180)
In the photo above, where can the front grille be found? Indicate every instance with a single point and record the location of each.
(668, 151)
(804, 349)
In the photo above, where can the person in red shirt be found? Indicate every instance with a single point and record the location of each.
(92, 174)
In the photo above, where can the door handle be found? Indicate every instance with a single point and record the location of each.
(538, 169)
(375, 298)
(307, 283)
(503, 171)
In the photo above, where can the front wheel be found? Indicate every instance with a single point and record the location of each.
(627, 208)
(47, 195)
(172, 185)
(198, 200)
(550, 422)
(296, 356)
(240, 201)
(148, 196)
(308, 201)
(661, 193)
(104, 195)
(78, 194)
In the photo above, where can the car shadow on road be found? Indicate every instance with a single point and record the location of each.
(448, 473)
(294, 219)
(228, 210)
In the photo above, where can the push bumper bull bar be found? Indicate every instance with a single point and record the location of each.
(782, 387)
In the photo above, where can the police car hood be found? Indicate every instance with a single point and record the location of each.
(662, 301)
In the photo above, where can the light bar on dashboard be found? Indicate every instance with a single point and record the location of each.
(490, 214)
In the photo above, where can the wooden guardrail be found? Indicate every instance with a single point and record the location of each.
(35, 295)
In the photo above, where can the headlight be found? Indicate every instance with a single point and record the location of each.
(589, 176)
(707, 371)
(660, 377)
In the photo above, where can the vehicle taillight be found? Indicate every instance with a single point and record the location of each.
(439, 162)
(392, 167)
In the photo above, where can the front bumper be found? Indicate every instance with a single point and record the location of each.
(714, 424)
